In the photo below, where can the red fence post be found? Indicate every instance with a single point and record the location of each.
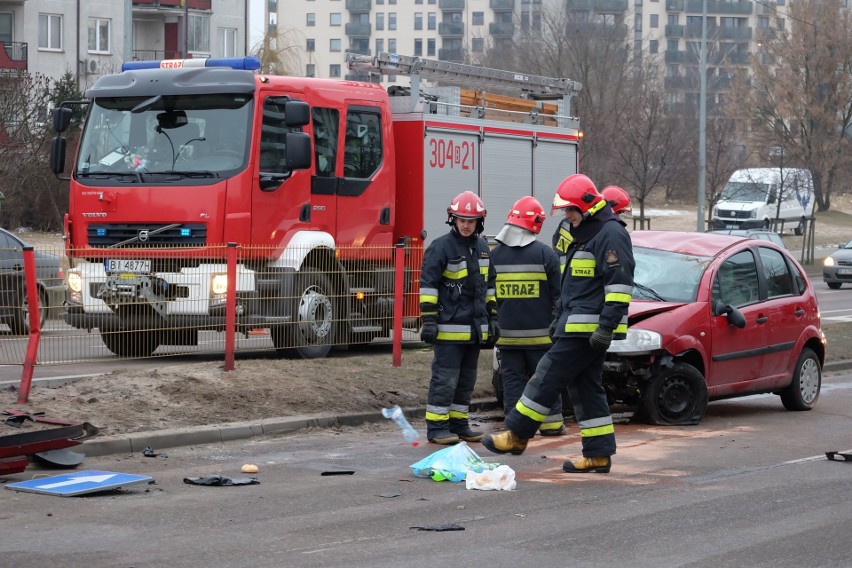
(231, 307)
(398, 301)
(35, 325)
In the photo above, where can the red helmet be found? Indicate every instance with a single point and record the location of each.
(466, 205)
(576, 191)
(618, 199)
(527, 213)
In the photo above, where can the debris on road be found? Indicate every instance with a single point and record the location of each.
(220, 480)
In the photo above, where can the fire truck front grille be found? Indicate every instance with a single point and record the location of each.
(147, 235)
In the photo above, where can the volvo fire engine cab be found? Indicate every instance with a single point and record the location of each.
(314, 180)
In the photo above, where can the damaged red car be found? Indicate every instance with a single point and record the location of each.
(713, 317)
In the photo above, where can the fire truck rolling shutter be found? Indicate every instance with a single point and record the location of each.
(507, 175)
(554, 161)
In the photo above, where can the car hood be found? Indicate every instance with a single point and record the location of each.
(842, 254)
(641, 310)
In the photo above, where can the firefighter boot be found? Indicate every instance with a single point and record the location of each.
(552, 429)
(461, 428)
(505, 443)
(439, 433)
(600, 464)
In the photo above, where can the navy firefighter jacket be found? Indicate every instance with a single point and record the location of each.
(456, 284)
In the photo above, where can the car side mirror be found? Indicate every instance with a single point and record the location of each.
(735, 317)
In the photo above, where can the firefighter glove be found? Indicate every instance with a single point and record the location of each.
(600, 339)
(429, 332)
(493, 332)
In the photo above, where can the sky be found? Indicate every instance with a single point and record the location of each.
(255, 23)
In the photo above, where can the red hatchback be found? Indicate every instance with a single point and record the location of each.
(715, 316)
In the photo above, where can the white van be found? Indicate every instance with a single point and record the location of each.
(754, 197)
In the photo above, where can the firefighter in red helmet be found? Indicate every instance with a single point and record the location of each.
(597, 285)
(527, 292)
(459, 312)
(618, 199)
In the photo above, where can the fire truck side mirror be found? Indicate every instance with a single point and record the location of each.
(57, 155)
(298, 151)
(297, 113)
(62, 118)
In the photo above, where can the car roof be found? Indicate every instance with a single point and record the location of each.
(684, 242)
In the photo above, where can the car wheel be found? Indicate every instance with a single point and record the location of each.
(312, 333)
(20, 323)
(677, 396)
(803, 392)
(766, 224)
(834, 285)
(800, 228)
(139, 343)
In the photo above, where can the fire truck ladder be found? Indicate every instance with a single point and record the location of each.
(469, 76)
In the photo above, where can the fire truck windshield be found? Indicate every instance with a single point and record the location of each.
(197, 136)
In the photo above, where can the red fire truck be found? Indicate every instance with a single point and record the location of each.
(315, 180)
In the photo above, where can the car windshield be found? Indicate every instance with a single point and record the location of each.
(848, 245)
(129, 137)
(667, 276)
(745, 191)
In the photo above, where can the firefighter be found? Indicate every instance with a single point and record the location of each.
(618, 199)
(459, 311)
(596, 289)
(527, 292)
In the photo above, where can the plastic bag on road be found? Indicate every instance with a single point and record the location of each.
(497, 479)
(451, 464)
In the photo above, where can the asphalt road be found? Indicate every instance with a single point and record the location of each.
(750, 486)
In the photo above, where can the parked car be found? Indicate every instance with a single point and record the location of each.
(770, 236)
(715, 316)
(14, 308)
(837, 267)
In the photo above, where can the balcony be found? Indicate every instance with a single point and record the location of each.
(451, 29)
(719, 32)
(674, 30)
(155, 55)
(674, 5)
(503, 5)
(501, 29)
(738, 58)
(358, 30)
(720, 7)
(579, 5)
(610, 6)
(193, 4)
(672, 83)
(456, 55)
(13, 56)
(359, 50)
(675, 56)
(451, 5)
(359, 6)
(363, 76)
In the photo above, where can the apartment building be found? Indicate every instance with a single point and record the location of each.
(90, 38)
(459, 30)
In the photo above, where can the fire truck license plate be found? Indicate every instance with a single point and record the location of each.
(133, 265)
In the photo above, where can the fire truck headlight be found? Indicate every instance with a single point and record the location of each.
(219, 284)
(75, 282)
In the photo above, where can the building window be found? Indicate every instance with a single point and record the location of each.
(391, 20)
(99, 34)
(654, 46)
(430, 47)
(334, 19)
(655, 21)
(431, 21)
(671, 45)
(478, 45)
(311, 45)
(392, 45)
(380, 20)
(334, 70)
(49, 31)
(380, 46)
(478, 19)
(310, 70)
(418, 47)
(228, 39)
(418, 20)
(312, 19)
(334, 45)
(418, 1)
(198, 38)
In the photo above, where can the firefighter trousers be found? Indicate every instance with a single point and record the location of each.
(572, 364)
(453, 378)
(517, 366)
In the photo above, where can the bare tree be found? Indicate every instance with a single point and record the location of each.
(281, 54)
(801, 90)
(725, 154)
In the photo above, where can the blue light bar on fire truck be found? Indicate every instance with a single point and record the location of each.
(249, 63)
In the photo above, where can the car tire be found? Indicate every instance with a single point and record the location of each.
(677, 396)
(803, 392)
(20, 323)
(800, 228)
(132, 344)
(834, 285)
(312, 333)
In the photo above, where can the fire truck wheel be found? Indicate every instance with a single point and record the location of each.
(677, 396)
(20, 323)
(312, 334)
(131, 343)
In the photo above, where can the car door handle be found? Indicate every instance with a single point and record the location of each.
(799, 312)
(762, 320)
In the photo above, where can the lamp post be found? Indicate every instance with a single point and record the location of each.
(702, 118)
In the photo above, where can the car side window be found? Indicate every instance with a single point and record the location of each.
(736, 282)
(9, 248)
(776, 273)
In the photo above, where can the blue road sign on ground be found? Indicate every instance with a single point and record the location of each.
(78, 483)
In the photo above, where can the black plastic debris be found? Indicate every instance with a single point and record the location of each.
(341, 472)
(440, 528)
(839, 456)
(389, 495)
(220, 480)
(149, 452)
(63, 458)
